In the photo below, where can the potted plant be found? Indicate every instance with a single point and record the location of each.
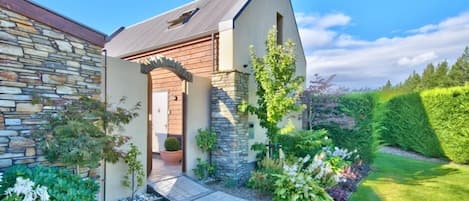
(172, 153)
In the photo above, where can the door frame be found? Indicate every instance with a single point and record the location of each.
(150, 123)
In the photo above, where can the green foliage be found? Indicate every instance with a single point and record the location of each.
(433, 122)
(172, 144)
(362, 137)
(204, 169)
(406, 125)
(135, 170)
(278, 88)
(61, 184)
(263, 178)
(82, 133)
(302, 143)
(206, 140)
(459, 73)
(304, 182)
(260, 149)
(448, 115)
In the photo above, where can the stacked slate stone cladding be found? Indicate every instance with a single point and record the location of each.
(229, 89)
(41, 69)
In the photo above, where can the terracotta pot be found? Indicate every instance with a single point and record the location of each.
(172, 157)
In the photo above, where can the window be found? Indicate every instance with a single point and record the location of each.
(183, 18)
(279, 29)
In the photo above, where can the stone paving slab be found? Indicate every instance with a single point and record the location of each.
(219, 196)
(183, 188)
(180, 189)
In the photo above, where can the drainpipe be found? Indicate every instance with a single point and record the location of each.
(210, 107)
(105, 130)
(213, 54)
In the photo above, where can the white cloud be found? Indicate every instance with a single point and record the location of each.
(315, 29)
(417, 60)
(363, 63)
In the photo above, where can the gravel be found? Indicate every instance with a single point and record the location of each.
(400, 152)
(241, 192)
(144, 197)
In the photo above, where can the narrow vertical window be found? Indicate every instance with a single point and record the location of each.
(279, 28)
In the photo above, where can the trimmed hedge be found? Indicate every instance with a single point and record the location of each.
(433, 122)
(448, 114)
(406, 125)
(359, 106)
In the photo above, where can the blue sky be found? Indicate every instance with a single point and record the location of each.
(363, 42)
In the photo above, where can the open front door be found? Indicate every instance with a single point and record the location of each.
(160, 120)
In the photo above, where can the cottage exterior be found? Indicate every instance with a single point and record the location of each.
(210, 39)
(190, 66)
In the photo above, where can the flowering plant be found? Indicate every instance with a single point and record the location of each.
(26, 190)
(302, 182)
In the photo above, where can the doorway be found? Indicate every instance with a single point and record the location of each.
(160, 120)
(166, 92)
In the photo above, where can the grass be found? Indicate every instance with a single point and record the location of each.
(404, 179)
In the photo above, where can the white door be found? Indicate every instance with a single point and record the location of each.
(160, 119)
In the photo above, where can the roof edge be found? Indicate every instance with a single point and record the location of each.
(228, 20)
(53, 19)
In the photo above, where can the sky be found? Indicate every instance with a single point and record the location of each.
(363, 42)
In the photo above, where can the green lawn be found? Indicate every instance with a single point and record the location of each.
(396, 178)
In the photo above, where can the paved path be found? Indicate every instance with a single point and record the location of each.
(408, 154)
(182, 188)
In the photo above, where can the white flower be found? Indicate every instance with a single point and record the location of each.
(41, 192)
(24, 187)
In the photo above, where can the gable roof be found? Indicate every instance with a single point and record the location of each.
(151, 34)
(55, 20)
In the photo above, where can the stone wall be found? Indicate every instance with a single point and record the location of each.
(229, 89)
(41, 69)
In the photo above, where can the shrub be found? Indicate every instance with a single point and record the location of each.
(205, 140)
(432, 122)
(85, 132)
(135, 175)
(448, 114)
(305, 182)
(203, 169)
(303, 143)
(171, 144)
(263, 179)
(362, 136)
(406, 125)
(60, 183)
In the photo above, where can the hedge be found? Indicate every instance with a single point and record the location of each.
(433, 122)
(359, 106)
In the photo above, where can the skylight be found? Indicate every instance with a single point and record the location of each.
(183, 18)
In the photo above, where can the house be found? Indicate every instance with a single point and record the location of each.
(209, 40)
(190, 66)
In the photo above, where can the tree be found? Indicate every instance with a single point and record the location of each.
(459, 73)
(387, 86)
(441, 75)
(428, 77)
(82, 134)
(135, 172)
(278, 89)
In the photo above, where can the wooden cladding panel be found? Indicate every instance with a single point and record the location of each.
(165, 80)
(195, 56)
